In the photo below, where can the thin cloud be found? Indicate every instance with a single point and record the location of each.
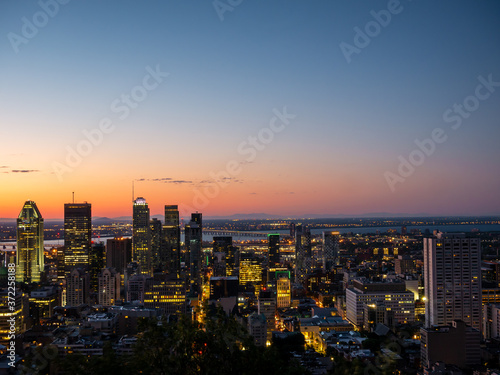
(165, 180)
(155, 179)
(24, 170)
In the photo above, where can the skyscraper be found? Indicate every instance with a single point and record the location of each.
(452, 278)
(29, 259)
(156, 244)
(77, 235)
(224, 244)
(141, 236)
(96, 263)
(170, 256)
(273, 250)
(118, 253)
(330, 250)
(302, 252)
(77, 287)
(109, 287)
(283, 292)
(193, 240)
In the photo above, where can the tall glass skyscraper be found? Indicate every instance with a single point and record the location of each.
(171, 241)
(77, 236)
(193, 240)
(155, 228)
(273, 241)
(29, 260)
(141, 236)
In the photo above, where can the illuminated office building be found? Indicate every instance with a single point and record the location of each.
(12, 315)
(283, 292)
(29, 259)
(77, 236)
(169, 296)
(452, 279)
(170, 254)
(141, 236)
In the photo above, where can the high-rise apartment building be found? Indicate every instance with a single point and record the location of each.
(141, 236)
(303, 252)
(109, 287)
(77, 287)
(452, 279)
(29, 259)
(77, 235)
(330, 250)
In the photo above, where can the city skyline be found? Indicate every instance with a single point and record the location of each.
(282, 108)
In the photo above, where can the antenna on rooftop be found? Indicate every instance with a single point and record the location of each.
(132, 191)
(73, 197)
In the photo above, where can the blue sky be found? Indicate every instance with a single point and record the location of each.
(353, 120)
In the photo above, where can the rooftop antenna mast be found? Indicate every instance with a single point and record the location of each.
(132, 191)
(73, 197)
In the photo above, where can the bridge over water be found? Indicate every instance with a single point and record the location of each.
(234, 233)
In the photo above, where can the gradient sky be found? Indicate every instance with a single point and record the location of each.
(353, 120)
